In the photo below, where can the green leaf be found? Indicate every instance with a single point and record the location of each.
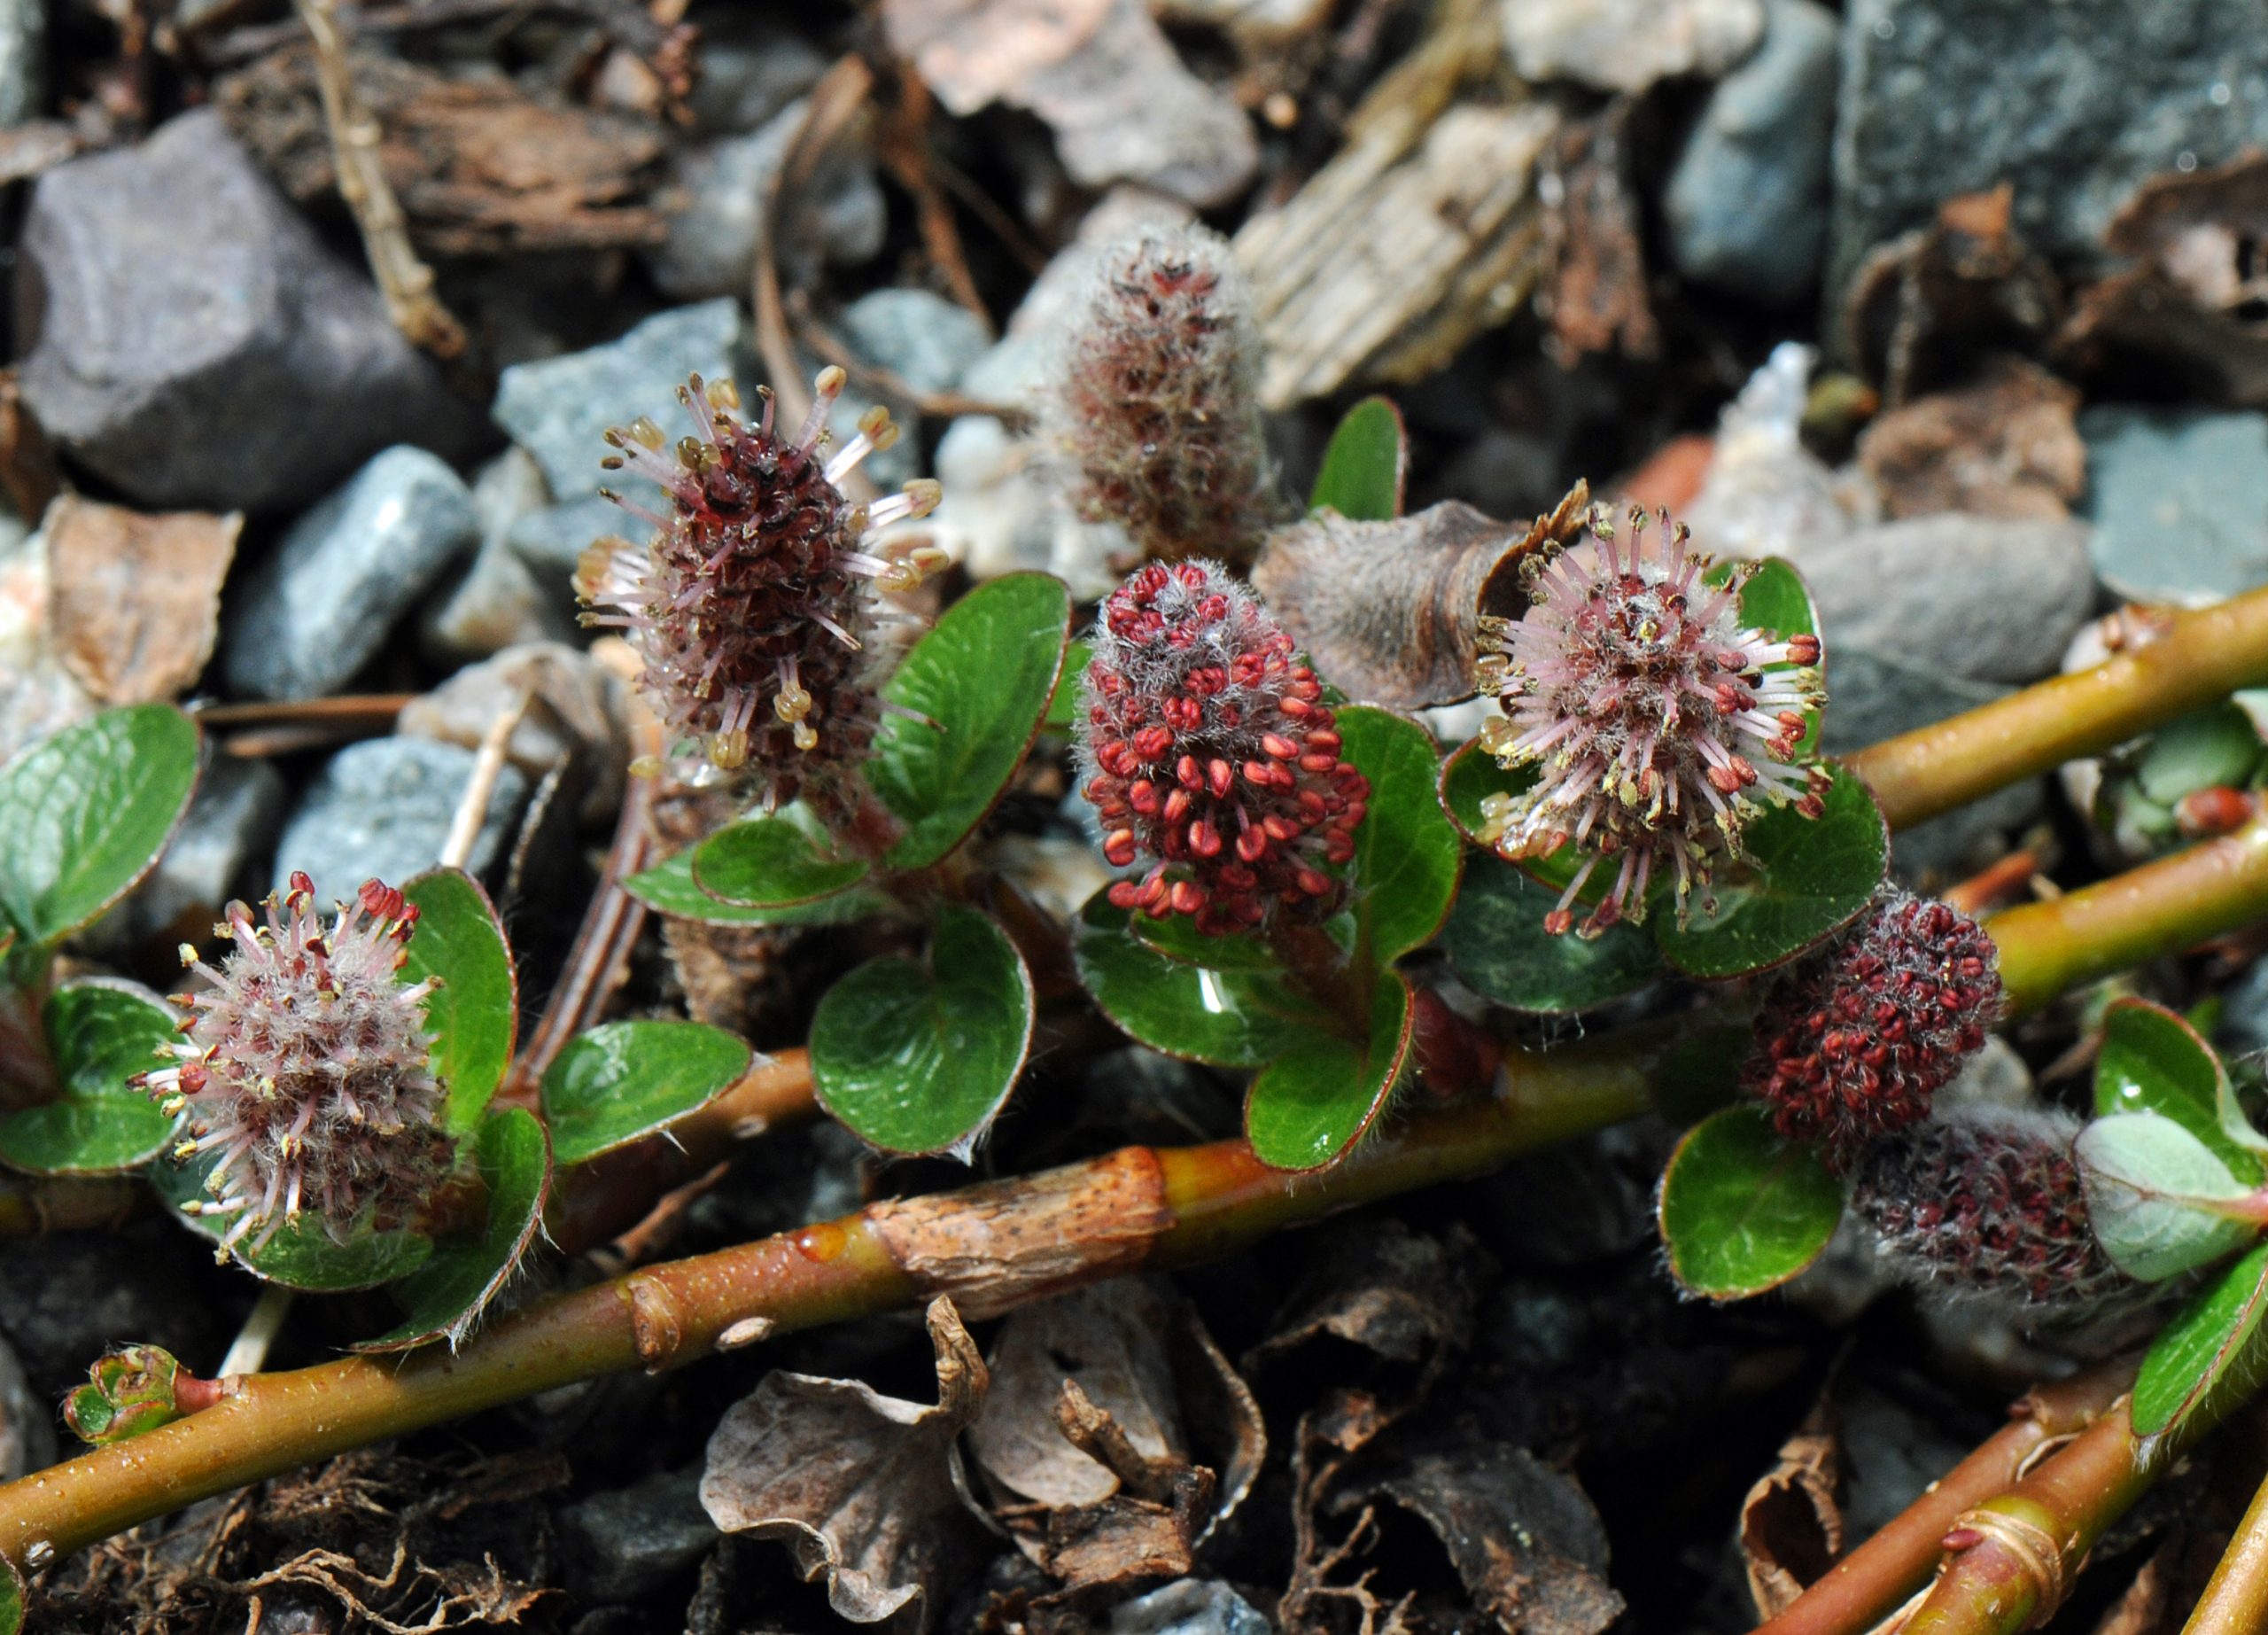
(128, 1392)
(1407, 854)
(1364, 465)
(2214, 748)
(2211, 1350)
(982, 678)
(1178, 937)
(624, 1080)
(445, 1296)
(1471, 775)
(11, 1599)
(1803, 880)
(1227, 1018)
(2157, 1197)
(1742, 1210)
(300, 1255)
(1313, 1102)
(2153, 1061)
(101, 1034)
(919, 1059)
(1063, 706)
(474, 1015)
(669, 888)
(1497, 941)
(781, 861)
(1776, 600)
(86, 812)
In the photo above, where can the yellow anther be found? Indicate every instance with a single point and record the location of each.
(722, 393)
(646, 431)
(805, 737)
(729, 749)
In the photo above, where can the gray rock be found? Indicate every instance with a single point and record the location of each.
(750, 70)
(1192, 1606)
(1626, 45)
(383, 809)
(840, 219)
(924, 340)
(558, 408)
(223, 836)
(2180, 503)
(1968, 598)
(551, 540)
(318, 609)
(496, 602)
(195, 343)
(1747, 201)
(27, 1423)
(626, 1545)
(2075, 104)
(23, 43)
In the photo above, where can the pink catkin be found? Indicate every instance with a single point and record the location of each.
(1657, 725)
(1206, 748)
(303, 1070)
(1157, 401)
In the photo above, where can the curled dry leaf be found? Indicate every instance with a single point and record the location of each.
(1104, 1403)
(1389, 611)
(1791, 1520)
(859, 1486)
(2006, 446)
(1406, 1297)
(134, 601)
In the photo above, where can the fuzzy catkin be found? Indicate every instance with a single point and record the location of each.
(1156, 404)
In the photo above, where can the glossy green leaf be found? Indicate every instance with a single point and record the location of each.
(474, 1016)
(1178, 937)
(1365, 465)
(2157, 1197)
(1063, 706)
(446, 1295)
(2212, 1351)
(624, 1080)
(1776, 600)
(785, 861)
(300, 1255)
(1497, 941)
(669, 888)
(2153, 1061)
(1469, 777)
(2214, 748)
(86, 812)
(982, 680)
(1228, 1018)
(1742, 1210)
(1408, 855)
(1313, 1102)
(1802, 880)
(100, 1034)
(919, 1059)
(12, 1598)
(129, 1393)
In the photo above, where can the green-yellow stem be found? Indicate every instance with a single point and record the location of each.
(2192, 659)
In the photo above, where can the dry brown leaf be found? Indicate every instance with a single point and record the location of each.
(134, 600)
(859, 1486)
(2006, 446)
(1388, 611)
(1405, 1296)
(1596, 291)
(1791, 1520)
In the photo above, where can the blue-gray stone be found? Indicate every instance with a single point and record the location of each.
(924, 340)
(628, 1543)
(383, 808)
(1192, 1606)
(2179, 502)
(749, 71)
(23, 41)
(194, 342)
(320, 607)
(1747, 202)
(553, 540)
(2076, 104)
(559, 408)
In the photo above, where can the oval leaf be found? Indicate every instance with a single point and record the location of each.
(981, 679)
(669, 888)
(624, 1080)
(1226, 1018)
(2215, 747)
(1471, 775)
(1407, 853)
(12, 1598)
(1366, 464)
(1803, 880)
(781, 861)
(1742, 1210)
(301, 1256)
(919, 1060)
(1313, 1102)
(2211, 1350)
(1178, 937)
(2154, 1062)
(474, 1015)
(87, 811)
(2152, 1188)
(100, 1034)
(1497, 941)
(445, 1296)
